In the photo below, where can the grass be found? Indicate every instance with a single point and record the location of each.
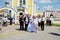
(56, 24)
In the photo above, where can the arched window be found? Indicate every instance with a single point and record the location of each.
(22, 2)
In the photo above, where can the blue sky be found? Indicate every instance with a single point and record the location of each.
(2, 3)
(42, 5)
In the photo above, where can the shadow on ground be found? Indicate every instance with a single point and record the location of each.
(18, 29)
(56, 34)
(58, 29)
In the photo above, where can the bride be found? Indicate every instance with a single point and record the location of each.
(32, 26)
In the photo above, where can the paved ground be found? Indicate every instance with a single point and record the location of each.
(10, 33)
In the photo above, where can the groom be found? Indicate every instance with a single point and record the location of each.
(21, 21)
(26, 19)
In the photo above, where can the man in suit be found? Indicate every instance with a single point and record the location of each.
(11, 20)
(26, 19)
(21, 21)
(42, 23)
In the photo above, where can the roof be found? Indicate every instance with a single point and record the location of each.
(20, 7)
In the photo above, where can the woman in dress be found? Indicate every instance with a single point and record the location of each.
(32, 27)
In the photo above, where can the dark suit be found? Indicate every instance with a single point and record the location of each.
(42, 23)
(21, 21)
(50, 23)
(26, 19)
(11, 19)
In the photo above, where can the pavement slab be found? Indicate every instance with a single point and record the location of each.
(10, 33)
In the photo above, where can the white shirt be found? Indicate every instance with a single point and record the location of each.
(39, 19)
(5, 19)
(51, 19)
(42, 19)
(26, 20)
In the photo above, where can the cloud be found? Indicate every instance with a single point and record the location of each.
(48, 7)
(56, 0)
(57, 9)
(45, 1)
(48, 1)
(45, 8)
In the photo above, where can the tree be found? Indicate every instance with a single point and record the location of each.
(51, 14)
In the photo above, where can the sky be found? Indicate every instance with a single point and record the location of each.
(2, 3)
(41, 5)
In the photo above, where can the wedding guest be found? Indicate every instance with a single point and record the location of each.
(42, 23)
(5, 21)
(50, 21)
(39, 21)
(32, 26)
